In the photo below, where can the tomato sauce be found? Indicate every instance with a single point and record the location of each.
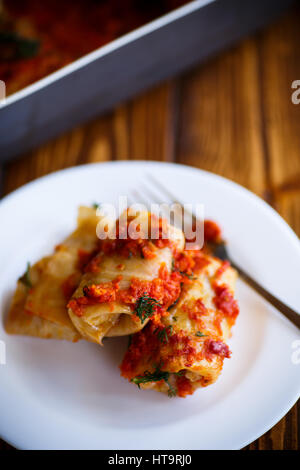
(225, 302)
(165, 289)
(143, 245)
(65, 31)
(184, 387)
(195, 309)
(216, 347)
(212, 232)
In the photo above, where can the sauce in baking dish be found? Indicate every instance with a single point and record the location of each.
(37, 38)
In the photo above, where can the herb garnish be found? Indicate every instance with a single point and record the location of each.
(145, 307)
(163, 334)
(155, 376)
(190, 276)
(95, 205)
(173, 304)
(171, 392)
(200, 334)
(25, 279)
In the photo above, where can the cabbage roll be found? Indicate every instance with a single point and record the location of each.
(120, 281)
(186, 349)
(39, 304)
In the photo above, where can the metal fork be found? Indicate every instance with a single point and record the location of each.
(220, 251)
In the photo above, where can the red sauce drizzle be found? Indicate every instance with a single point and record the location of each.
(165, 288)
(97, 293)
(195, 310)
(212, 232)
(225, 265)
(145, 246)
(190, 261)
(225, 302)
(218, 348)
(184, 387)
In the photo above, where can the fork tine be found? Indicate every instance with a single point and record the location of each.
(163, 189)
(171, 196)
(139, 198)
(129, 200)
(152, 195)
(220, 251)
(155, 198)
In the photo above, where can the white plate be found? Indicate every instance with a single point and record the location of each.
(61, 395)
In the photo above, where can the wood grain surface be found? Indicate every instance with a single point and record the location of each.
(232, 115)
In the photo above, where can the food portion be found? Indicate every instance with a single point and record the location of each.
(39, 304)
(38, 38)
(22, 322)
(176, 304)
(125, 275)
(185, 348)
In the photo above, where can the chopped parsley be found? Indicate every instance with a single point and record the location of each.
(145, 307)
(25, 279)
(173, 304)
(190, 276)
(200, 334)
(155, 376)
(95, 205)
(171, 392)
(163, 334)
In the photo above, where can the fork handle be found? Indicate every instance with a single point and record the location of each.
(288, 312)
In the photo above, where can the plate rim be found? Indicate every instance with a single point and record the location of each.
(210, 174)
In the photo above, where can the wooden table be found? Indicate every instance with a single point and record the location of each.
(232, 116)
